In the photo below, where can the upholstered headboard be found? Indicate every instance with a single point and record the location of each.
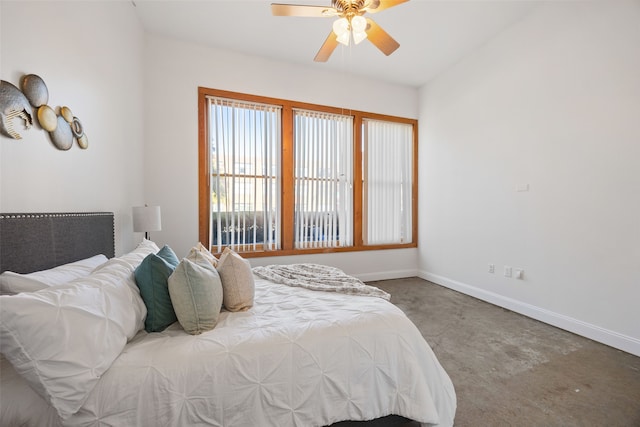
(38, 241)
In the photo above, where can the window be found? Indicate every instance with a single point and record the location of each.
(323, 147)
(388, 173)
(244, 159)
(279, 177)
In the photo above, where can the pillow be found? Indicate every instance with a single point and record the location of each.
(62, 339)
(12, 283)
(205, 252)
(134, 258)
(238, 287)
(143, 249)
(151, 277)
(196, 293)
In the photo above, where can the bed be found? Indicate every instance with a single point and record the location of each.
(298, 357)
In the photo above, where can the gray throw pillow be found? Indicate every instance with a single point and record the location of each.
(196, 294)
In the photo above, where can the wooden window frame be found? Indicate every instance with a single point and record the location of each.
(287, 184)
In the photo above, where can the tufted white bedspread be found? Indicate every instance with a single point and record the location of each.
(297, 358)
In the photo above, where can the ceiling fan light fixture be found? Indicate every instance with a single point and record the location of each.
(358, 27)
(349, 23)
(340, 26)
(344, 38)
(358, 37)
(358, 24)
(341, 29)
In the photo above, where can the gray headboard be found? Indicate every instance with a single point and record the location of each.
(38, 241)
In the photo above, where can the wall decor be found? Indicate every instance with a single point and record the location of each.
(62, 137)
(47, 118)
(35, 90)
(13, 104)
(62, 129)
(83, 141)
(76, 127)
(67, 114)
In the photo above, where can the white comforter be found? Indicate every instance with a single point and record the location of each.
(297, 358)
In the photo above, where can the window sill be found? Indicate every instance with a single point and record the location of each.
(311, 251)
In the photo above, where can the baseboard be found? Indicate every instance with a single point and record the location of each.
(596, 333)
(386, 275)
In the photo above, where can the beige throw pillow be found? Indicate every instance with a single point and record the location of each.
(238, 286)
(206, 253)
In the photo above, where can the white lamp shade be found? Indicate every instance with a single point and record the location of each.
(146, 218)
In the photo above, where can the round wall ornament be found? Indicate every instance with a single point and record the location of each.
(62, 137)
(76, 127)
(67, 114)
(47, 118)
(83, 141)
(35, 90)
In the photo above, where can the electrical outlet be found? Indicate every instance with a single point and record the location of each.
(492, 268)
(508, 272)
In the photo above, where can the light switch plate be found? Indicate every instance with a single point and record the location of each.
(508, 272)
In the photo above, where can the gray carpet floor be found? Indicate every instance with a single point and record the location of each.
(510, 370)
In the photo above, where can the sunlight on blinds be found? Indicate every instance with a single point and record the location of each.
(244, 148)
(388, 170)
(323, 145)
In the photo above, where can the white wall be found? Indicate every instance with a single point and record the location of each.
(174, 72)
(89, 55)
(552, 103)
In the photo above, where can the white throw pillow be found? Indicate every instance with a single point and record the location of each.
(62, 339)
(12, 283)
(238, 286)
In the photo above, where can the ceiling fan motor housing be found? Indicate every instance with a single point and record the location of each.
(348, 6)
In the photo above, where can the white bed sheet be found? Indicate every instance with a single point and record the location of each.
(297, 358)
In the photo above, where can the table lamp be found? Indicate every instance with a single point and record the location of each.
(146, 219)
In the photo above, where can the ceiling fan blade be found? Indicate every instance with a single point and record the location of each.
(378, 5)
(327, 48)
(278, 9)
(380, 38)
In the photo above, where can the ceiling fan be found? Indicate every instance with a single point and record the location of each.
(350, 23)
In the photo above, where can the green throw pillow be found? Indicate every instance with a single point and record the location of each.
(196, 293)
(151, 277)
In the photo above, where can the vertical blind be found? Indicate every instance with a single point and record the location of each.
(323, 146)
(388, 171)
(244, 165)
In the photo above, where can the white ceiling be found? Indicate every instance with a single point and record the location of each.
(433, 35)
